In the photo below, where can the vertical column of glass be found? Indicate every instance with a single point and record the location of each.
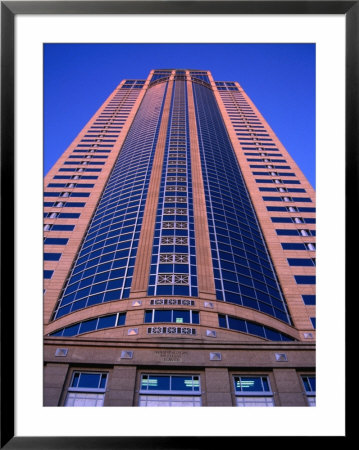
(173, 264)
(104, 267)
(243, 270)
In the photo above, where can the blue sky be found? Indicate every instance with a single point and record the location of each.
(279, 78)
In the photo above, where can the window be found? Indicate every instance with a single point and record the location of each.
(287, 199)
(288, 232)
(48, 274)
(253, 391)
(304, 279)
(52, 256)
(301, 262)
(308, 299)
(53, 215)
(55, 241)
(97, 323)
(173, 316)
(51, 227)
(181, 279)
(309, 386)
(170, 390)
(298, 220)
(245, 326)
(87, 389)
(293, 246)
(173, 257)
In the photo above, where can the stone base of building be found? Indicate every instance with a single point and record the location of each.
(139, 373)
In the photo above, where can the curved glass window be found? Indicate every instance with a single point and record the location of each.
(245, 326)
(173, 316)
(98, 323)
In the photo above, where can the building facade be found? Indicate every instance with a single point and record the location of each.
(179, 244)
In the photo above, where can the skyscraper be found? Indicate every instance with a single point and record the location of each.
(184, 275)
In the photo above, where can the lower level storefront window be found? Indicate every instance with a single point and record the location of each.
(169, 400)
(253, 391)
(309, 386)
(170, 390)
(86, 389)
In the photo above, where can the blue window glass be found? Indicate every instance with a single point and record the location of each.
(163, 316)
(168, 383)
(55, 241)
(88, 325)
(251, 384)
(312, 319)
(107, 321)
(52, 256)
(300, 262)
(309, 299)
(155, 382)
(237, 324)
(184, 383)
(246, 326)
(71, 331)
(281, 220)
(181, 316)
(48, 274)
(255, 329)
(293, 246)
(195, 317)
(304, 279)
(89, 380)
(309, 383)
(74, 205)
(148, 316)
(222, 321)
(62, 227)
(287, 232)
(121, 319)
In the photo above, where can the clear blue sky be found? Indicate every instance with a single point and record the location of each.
(279, 78)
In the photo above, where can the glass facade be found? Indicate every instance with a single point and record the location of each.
(173, 264)
(243, 270)
(104, 267)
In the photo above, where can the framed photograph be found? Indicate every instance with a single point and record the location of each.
(157, 126)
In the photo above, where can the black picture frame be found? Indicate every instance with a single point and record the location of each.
(9, 9)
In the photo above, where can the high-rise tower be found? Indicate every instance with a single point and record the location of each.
(179, 254)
